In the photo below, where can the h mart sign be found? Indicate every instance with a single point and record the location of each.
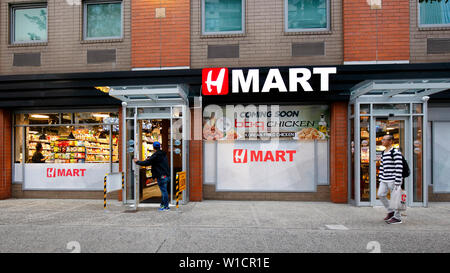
(57, 172)
(245, 156)
(215, 80)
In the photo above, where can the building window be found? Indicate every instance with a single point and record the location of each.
(307, 15)
(434, 13)
(223, 16)
(29, 23)
(102, 20)
(80, 137)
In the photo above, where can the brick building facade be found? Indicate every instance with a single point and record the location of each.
(169, 42)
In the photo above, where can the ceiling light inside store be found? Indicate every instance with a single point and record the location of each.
(104, 89)
(390, 129)
(39, 116)
(100, 115)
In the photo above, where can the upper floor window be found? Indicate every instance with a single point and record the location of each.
(434, 13)
(28, 23)
(102, 20)
(307, 15)
(223, 16)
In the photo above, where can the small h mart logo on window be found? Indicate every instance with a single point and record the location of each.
(215, 81)
(239, 156)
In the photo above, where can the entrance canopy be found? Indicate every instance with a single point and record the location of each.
(396, 90)
(150, 94)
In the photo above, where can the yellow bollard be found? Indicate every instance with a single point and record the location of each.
(104, 192)
(123, 179)
(177, 183)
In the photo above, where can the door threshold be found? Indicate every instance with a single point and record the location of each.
(149, 206)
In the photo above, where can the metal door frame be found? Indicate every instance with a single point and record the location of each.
(137, 145)
(406, 152)
(370, 100)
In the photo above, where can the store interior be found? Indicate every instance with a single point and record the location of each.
(151, 131)
(383, 127)
(64, 141)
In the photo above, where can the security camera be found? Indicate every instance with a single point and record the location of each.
(425, 98)
(124, 103)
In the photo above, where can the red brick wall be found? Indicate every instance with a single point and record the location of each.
(5, 154)
(196, 157)
(338, 153)
(376, 34)
(160, 42)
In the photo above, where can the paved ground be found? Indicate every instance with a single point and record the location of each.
(32, 225)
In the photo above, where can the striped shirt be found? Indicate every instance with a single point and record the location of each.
(391, 167)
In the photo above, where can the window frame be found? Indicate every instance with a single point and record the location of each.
(85, 19)
(286, 21)
(203, 21)
(12, 17)
(420, 25)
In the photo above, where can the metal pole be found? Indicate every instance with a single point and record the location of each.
(424, 153)
(124, 150)
(171, 156)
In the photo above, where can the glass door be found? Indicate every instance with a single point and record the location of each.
(131, 193)
(398, 128)
(144, 126)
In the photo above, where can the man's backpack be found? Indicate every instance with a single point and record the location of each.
(405, 170)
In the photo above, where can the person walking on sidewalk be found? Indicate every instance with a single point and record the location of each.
(160, 170)
(390, 177)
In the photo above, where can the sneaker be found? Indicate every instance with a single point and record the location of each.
(389, 216)
(166, 208)
(394, 220)
(161, 209)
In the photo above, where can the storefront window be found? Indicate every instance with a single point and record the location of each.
(398, 108)
(98, 117)
(365, 160)
(417, 159)
(49, 141)
(130, 112)
(364, 109)
(37, 118)
(66, 118)
(259, 144)
(18, 147)
(417, 108)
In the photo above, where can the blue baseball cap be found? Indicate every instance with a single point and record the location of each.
(156, 144)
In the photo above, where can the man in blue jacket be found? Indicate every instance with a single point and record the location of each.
(160, 171)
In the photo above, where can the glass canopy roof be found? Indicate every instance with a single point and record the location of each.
(414, 89)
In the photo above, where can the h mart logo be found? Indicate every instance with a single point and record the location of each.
(218, 86)
(215, 80)
(245, 156)
(54, 172)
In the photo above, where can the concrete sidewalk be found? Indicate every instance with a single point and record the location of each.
(32, 225)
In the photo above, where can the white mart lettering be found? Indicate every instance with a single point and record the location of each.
(274, 80)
